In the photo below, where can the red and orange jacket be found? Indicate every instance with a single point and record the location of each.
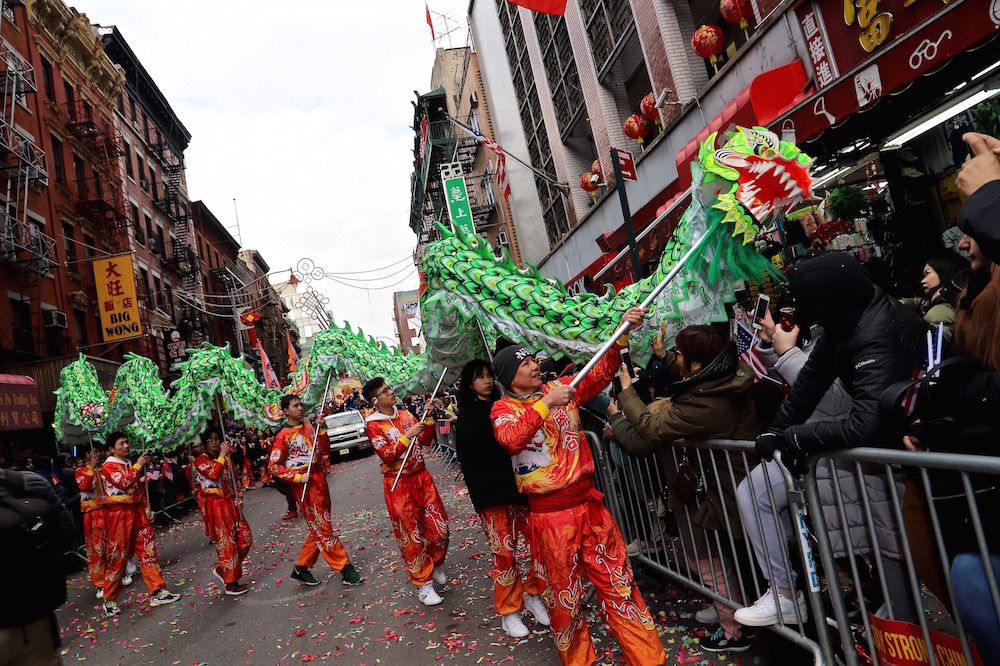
(91, 489)
(215, 477)
(548, 449)
(290, 454)
(122, 482)
(387, 438)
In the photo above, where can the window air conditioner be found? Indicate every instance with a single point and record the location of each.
(54, 319)
(502, 238)
(154, 245)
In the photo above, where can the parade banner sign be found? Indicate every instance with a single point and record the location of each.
(117, 298)
(900, 643)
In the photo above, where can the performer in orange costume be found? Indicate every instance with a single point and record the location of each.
(195, 479)
(418, 518)
(572, 533)
(92, 505)
(290, 458)
(128, 528)
(223, 499)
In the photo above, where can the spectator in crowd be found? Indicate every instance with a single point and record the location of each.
(944, 277)
(711, 398)
(503, 511)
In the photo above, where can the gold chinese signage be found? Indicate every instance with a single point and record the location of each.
(116, 298)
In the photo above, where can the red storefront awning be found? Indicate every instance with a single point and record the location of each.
(20, 408)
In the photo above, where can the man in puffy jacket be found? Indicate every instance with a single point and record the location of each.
(871, 341)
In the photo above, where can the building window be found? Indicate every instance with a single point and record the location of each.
(530, 110)
(144, 287)
(128, 161)
(88, 246)
(70, 243)
(169, 298)
(80, 323)
(78, 170)
(149, 225)
(142, 168)
(560, 70)
(157, 297)
(140, 237)
(70, 104)
(58, 167)
(159, 237)
(47, 81)
(121, 104)
(24, 339)
(131, 103)
(609, 23)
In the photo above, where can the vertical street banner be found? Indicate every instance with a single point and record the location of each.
(459, 208)
(116, 298)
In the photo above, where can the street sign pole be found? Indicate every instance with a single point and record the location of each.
(626, 213)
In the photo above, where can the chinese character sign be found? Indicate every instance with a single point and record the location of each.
(20, 408)
(458, 204)
(116, 298)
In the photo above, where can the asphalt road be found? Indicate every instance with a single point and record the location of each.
(378, 622)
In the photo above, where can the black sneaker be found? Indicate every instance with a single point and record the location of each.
(303, 575)
(718, 642)
(351, 576)
(236, 589)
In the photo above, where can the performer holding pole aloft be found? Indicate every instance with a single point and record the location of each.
(128, 528)
(290, 461)
(223, 516)
(572, 533)
(92, 504)
(418, 517)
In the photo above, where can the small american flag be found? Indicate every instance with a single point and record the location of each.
(748, 354)
(501, 174)
(933, 357)
(492, 145)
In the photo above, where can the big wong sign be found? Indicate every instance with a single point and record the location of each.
(116, 298)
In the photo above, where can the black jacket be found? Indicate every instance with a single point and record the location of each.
(488, 471)
(880, 347)
(979, 218)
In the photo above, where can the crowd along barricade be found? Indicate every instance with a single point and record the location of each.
(909, 514)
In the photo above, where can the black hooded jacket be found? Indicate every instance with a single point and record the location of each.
(489, 473)
(871, 341)
(979, 216)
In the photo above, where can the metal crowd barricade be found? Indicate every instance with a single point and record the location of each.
(869, 567)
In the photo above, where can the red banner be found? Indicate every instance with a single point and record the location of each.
(20, 408)
(902, 644)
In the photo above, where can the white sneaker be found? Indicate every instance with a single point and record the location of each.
(439, 576)
(513, 626)
(764, 611)
(427, 595)
(130, 568)
(162, 596)
(707, 615)
(100, 593)
(126, 580)
(536, 607)
(632, 549)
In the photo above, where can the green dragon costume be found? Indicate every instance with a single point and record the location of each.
(469, 297)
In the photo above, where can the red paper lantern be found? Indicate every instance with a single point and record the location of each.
(596, 169)
(737, 11)
(648, 108)
(636, 127)
(708, 42)
(588, 182)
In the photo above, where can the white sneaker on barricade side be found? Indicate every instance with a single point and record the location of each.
(707, 615)
(764, 611)
(428, 596)
(513, 625)
(536, 607)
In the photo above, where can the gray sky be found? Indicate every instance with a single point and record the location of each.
(302, 114)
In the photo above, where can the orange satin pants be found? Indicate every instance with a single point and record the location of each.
(503, 526)
(584, 540)
(419, 522)
(322, 538)
(94, 536)
(129, 532)
(231, 535)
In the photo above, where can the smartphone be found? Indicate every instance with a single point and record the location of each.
(760, 310)
(627, 360)
(616, 384)
(453, 399)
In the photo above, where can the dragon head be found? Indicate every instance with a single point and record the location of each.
(766, 175)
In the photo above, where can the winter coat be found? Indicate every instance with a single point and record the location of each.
(978, 218)
(836, 404)
(714, 403)
(488, 471)
(939, 311)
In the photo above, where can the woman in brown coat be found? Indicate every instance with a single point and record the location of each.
(710, 400)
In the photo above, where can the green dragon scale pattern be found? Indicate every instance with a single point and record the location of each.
(468, 294)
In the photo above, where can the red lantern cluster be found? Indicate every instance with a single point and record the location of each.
(737, 11)
(636, 127)
(708, 42)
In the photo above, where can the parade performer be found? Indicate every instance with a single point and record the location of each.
(224, 520)
(290, 459)
(418, 517)
(503, 511)
(128, 528)
(572, 533)
(195, 480)
(92, 505)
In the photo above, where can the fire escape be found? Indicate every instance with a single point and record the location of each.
(100, 196)
(172, 202)
(22, 163)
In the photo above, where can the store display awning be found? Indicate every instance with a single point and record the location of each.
(20, 408)
(767, 97)
(921, 44)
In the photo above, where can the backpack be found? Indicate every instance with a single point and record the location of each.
(32, 567)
